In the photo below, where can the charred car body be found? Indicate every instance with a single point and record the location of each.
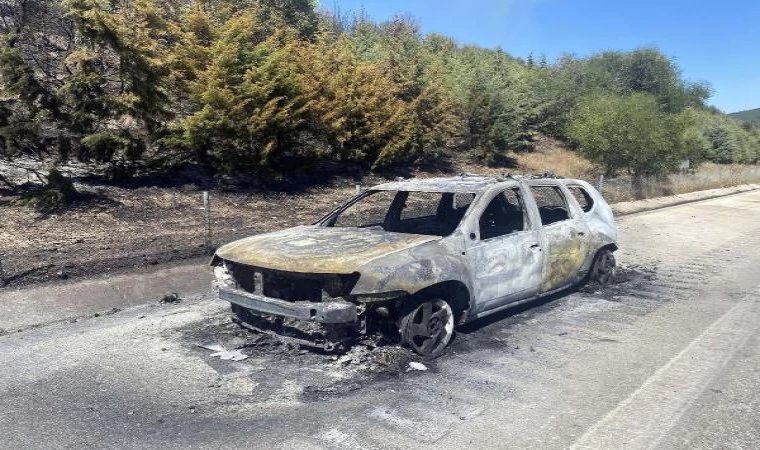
(417, 257)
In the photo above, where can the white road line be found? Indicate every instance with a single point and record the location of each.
(643, 419)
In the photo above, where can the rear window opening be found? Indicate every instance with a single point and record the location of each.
(551, 203)
(582, 197)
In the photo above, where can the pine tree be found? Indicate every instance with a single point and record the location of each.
(352, 104)
(248, 94)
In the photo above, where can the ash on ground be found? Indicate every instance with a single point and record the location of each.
(627, 278)
(320, 374)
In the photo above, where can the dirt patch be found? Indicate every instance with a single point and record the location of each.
(143, 227)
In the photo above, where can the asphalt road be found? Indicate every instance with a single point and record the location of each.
(667, 358)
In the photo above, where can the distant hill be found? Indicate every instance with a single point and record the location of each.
(750, 115)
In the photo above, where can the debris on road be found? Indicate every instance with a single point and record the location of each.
(171, 297)
(107, 313)
(224, 354)
(416, 366)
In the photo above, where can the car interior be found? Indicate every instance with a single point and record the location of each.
(503, 216)
(428, 213)
(551, 204)
(436, 214)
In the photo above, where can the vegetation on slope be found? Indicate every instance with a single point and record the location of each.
(750, 116)
(272, 87)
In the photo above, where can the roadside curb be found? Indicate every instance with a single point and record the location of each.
(651, 204)
(30, 307)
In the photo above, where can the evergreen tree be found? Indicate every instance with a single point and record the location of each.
(628, 133)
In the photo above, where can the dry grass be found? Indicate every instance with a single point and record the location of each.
(713, 176)
(560, 161)
(708, 176)
(548, 155)
(551, 155)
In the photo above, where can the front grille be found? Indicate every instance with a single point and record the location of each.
(292, 286)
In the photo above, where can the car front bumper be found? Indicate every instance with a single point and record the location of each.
(337, 312)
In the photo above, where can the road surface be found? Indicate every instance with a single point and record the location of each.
(668, 358)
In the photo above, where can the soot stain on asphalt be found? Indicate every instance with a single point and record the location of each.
(482, 333)
(319, 375)
(628, 280)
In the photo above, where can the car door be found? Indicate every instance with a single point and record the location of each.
(504, 251)
(565, 237)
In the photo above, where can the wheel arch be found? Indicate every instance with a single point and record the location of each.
(611, 247)
(455, 292)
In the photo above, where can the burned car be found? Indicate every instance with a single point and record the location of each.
(414, 258)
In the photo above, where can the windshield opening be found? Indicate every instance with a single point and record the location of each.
(410, 212)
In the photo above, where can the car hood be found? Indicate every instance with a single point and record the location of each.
(316, 249)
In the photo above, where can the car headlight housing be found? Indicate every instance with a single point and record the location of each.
(380, 297)
(223, 276)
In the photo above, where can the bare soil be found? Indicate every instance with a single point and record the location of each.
(124, 228)
(158, 218)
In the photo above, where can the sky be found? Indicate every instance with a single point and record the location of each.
(713, 41)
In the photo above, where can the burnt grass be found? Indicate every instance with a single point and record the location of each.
(155, 217)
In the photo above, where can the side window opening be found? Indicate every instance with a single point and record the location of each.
(583, 198)
(504, 215)
(551, 204)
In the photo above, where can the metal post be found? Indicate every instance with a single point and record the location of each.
(600, 183)
(358, 189)
(207, 220)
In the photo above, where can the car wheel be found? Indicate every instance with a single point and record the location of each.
(603, 271)
(428, 328)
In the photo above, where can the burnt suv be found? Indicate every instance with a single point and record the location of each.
(413, 258)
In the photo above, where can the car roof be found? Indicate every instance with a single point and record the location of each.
(450, 184)
(461, 183)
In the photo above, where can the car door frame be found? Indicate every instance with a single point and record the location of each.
(528, 242)
(566, 243)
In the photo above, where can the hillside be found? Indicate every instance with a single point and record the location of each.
(750, 115)
(272, 87)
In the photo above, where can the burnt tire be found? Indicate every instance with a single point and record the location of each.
(428, 328)
(603, 269)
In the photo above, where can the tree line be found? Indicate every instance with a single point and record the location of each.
(271, 86)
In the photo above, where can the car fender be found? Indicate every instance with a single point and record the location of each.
(415, 269)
